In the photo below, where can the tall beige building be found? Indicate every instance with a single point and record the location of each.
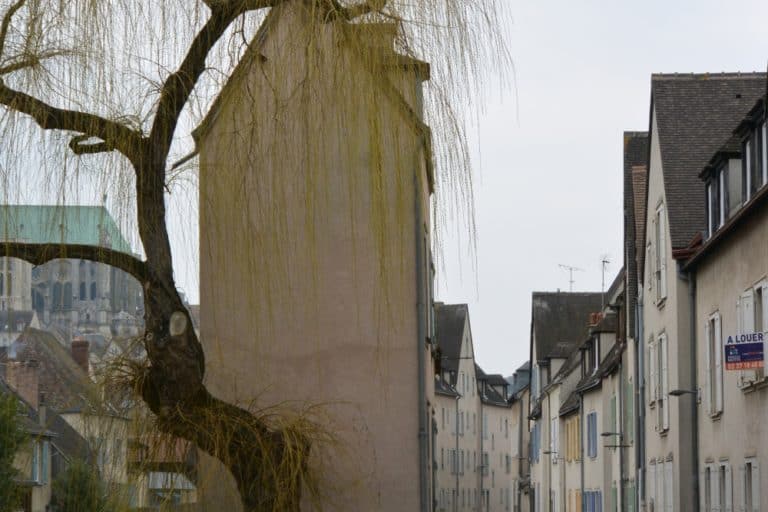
(315, 171)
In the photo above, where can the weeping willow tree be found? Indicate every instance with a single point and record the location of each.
(106, 93)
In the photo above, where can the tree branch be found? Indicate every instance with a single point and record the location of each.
(122, 138)
(6, 24)
(39, 254)
(336, 10)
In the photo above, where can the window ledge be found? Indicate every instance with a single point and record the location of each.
(716, 416)
(661, 303)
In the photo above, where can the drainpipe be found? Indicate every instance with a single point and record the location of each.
(520, 451)
(581, 447)
(639, 402)
(621, 430)
(691, 278)
(421, 336)
(482, 459)
(456, 457)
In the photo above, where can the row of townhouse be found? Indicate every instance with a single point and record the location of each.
(653, 396)
(478, 428)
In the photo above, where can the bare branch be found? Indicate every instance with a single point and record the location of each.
(38, 254)
(336, 10)
(122, 138)
(6, 24)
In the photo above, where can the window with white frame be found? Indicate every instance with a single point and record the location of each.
(662, 398)
(749, 482)
(592, 435)
(752, 314)
(652, 379)
(713, 334)
(716, 489)
(754, 165)
(661, 253)
(554, 440)
(717, 199)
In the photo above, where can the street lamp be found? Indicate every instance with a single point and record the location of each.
(680, 392)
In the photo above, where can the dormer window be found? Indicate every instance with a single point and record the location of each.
(717, 199)
(754, 161)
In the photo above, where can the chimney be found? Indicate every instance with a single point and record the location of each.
(23, 377)
(80, 352)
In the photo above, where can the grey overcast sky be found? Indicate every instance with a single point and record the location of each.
(549, 163)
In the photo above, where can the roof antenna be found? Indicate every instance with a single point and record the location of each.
(604, 261)
(570, 270)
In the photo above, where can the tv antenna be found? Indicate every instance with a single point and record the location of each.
(604, 262)
(570, 270)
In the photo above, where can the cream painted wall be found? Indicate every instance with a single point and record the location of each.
(308, 288)
(670, 316)
(740, 262)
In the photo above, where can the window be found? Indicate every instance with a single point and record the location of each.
(592, 435)
(750, 486)
(554, 441)
(753, 160)
(661, 253)
(485, 463)
(752, 314)
(93, 290)
(593, 501)
(662, 398)
(717, 199)
(652, 378)
(714, 359)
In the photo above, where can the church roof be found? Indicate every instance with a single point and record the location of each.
(61, 224)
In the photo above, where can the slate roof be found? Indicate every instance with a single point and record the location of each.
(635, 171)
(449, 332)
(560, 320)
(66, 386)
(695, 115)
(488, 395)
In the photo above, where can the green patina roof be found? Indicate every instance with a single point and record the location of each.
(50, 224)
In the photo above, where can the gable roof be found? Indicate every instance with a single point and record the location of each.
(695, 115)
(560, 321)
(68, 224)
(450, 320)
(635, 169)
(66, 386)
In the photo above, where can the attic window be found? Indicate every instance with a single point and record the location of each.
(717, 199)
(754, 161)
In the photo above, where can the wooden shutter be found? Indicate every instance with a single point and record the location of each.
(755, 486)
(747, 325)
(741, 489)
(663, 342)
(708, 384)
(662, 254)
(728, 489)
(669, 494)
(718, 365)
(650, 483)
(715, 500)
(703, 490)
(652, 379)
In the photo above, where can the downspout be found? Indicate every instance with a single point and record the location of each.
(691, 278)
(482, 438)
(421, 337)
(520, 451)
(621, 429)
(581, 447)
(456, 456)
(639, 403)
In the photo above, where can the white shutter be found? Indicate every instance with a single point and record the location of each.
(662, 254)
(650, 479)
(649, 276)
(669, 495)
(718, 384)
(741, 490)
(747, 325)
(755, 485)
(703, 490)
(652, 380)
(664, 344)
(715, 486)
(728, 489)
(708, 384)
